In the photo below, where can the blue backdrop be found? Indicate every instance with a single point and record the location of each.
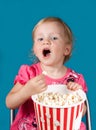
(18, 17)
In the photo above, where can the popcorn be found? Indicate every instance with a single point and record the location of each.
(44, 72)
(57, 99)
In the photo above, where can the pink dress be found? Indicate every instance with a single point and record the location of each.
(25, 118)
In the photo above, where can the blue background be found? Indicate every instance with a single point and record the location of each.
(17, 19)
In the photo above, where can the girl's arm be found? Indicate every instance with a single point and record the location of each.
(21, 93)
(16, 96)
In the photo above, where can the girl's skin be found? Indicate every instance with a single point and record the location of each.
(47, 36)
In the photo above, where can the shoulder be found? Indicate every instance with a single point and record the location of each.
(75, 76)
(25, 73)
(29, 69)
(26, 67)
(74, 73)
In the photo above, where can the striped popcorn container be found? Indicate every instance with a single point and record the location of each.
(67, 117)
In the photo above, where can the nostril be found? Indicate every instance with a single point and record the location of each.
(46, 43)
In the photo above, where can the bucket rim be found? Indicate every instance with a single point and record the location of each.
(64, 106)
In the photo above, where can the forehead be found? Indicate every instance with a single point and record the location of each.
(49, 27)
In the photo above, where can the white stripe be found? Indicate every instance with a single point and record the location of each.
(68, 118)
(77, 120)
(48, 120)
(80, 113)
(38, 116)
(54, 119)
(61, 119)
(42, 118)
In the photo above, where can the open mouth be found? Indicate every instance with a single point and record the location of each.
(46, 52)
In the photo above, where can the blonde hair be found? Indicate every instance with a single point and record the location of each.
(67, 31)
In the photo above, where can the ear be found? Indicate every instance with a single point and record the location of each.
(67, 50)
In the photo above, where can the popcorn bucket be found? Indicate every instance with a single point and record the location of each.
(67, 117)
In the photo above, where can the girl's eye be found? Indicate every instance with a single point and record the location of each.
(54, 38)
(40, 39)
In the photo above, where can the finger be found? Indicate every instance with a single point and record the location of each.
(40, 77)
(41, 82)
(71, 86)
(78, 86)
(74, 86)
(43, 88)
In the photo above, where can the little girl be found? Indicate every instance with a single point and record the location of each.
(53, 43)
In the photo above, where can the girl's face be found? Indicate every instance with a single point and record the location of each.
(50, 45)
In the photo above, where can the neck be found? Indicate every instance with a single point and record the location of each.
(54, 71)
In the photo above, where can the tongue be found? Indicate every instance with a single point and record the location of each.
(46, 53)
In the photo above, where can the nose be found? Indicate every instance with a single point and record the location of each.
(46, 42)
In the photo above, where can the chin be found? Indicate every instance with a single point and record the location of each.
(48, 63)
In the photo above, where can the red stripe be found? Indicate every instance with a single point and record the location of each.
(77, 112)
(71, 119)
(81, 107)
(45, 117)
(40, 125)
(36, 115)
(65, 118)
(51, 119)
(58, 117)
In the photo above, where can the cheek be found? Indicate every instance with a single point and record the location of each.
(60, 49)
(34, 49)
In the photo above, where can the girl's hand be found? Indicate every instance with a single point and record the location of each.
(73, 86)
(36, 85)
